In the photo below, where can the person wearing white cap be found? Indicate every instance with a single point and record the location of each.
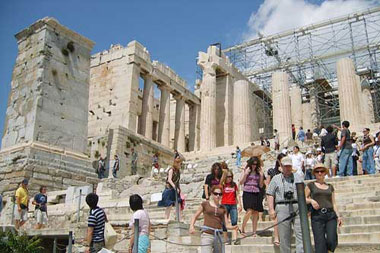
(282, 203)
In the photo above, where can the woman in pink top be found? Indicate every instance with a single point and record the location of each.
(136, 204)
(252, 180)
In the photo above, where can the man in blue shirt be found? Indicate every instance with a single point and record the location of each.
(40, 201)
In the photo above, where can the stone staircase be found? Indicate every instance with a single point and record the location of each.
(358, 201)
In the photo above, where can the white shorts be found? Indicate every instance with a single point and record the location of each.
(23, 215)
(41, 217)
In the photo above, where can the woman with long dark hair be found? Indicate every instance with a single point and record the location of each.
(214, 178)
(252, 180)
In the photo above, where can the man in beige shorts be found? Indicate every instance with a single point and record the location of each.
(40, 201)
(21, 205)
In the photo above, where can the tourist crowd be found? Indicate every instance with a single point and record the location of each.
(223, 202)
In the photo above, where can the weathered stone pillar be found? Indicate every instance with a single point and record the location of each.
(49, 94)
(179, 138)
(229, 111)
(349, 98)
(296, 106)
(281, 105)
(208, 107)
(197, 92)
(146, 121)
(367, 106)
(306, 117)
(242, 113)
(164, 120)
(192, 126)
(315, 113)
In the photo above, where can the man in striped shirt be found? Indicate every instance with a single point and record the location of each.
(96, 223)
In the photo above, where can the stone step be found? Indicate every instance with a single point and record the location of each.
(342, 248)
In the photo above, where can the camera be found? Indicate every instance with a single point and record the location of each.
(288, 195)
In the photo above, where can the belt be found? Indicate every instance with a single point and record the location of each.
(286, 202)
(218, 241)
(324, 210)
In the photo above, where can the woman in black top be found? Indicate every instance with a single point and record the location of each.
(214, 178)
(324, 214)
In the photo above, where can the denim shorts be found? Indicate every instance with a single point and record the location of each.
(232, 211)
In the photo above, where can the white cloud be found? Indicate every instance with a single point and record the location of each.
(274, 16)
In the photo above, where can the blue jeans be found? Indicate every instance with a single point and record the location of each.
(309, 175)
(345, 162)
(238, 160)
(368, 162)
(232, 211)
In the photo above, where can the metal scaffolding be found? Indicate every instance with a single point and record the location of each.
(309, 55)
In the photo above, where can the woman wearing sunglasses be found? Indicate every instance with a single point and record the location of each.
(324, 215)
(231, 200)
(252, 180)
(214, 217)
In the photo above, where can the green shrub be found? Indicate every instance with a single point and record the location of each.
(13, 243)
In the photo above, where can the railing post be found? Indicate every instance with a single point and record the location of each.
(302, 207)
(136, 237)
(70, 246)
(13, 209)
(79, 200)
(55, 245)
(176, 206)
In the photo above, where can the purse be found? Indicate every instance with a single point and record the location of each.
(110, 236)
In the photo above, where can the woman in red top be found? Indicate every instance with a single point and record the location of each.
(231, 200)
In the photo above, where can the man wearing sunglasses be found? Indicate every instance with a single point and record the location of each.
(282, 203)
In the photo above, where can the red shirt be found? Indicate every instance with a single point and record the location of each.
(229, 195)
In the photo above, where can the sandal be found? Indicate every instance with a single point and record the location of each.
(254, 235)
(276, 242)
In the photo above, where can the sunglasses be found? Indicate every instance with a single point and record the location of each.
(319, 171)
(254, 164)
(218, 194)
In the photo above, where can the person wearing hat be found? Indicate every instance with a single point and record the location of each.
(21, 207)
(324, 214)
(282, 203)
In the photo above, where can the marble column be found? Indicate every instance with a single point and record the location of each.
(367, 106)
(296, 106)
(180, 124)
(282, 120)
(315, 114)
(229, 110)
(208, 107)
(306, 117)
(164, 118)
(192, 126)
(197, 92)
(349, 98)
(146, 121)
(242, 113)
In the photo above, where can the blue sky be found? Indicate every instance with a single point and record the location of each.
(174, 31)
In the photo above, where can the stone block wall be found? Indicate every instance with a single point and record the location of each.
(119, 141)
(47, 166)
(48, 101)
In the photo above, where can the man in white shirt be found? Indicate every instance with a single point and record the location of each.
(298, 161)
